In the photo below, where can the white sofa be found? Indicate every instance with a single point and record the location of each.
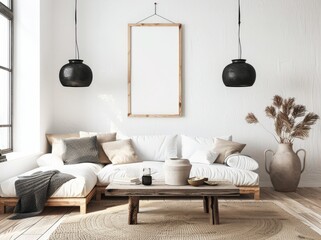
(76, 192)
(152, 151)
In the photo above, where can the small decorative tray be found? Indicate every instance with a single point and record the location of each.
(197, 181)
(215, 182)
(211, 183)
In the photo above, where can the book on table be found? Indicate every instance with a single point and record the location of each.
(133, 181)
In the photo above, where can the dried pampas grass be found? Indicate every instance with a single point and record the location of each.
(285, 114)
(250, 118)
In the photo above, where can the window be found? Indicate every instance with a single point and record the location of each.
(6, 43)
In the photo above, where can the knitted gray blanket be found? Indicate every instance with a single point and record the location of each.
(34, 190)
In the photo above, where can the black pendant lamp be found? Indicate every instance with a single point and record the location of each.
(239, 73)
(75, 73)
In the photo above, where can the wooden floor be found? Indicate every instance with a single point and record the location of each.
(305, 204)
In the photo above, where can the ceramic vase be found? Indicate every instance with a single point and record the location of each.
(285, 168)
(177, 171)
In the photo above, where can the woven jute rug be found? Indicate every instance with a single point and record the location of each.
(184, 219)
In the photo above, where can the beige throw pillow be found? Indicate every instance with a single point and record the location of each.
(120, 152)
(226, 148)
(101, 138)
(52, 136)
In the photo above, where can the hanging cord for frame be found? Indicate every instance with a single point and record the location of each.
(155, 14)
(239, 31)
(76, 38)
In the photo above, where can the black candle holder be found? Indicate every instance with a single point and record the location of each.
(147, 180)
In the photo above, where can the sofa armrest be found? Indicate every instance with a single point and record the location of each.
(17, 164)
(241, 161)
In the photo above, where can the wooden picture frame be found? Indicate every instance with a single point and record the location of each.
(154, 70)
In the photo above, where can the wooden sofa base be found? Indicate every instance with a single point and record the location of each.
(100, 190)
(255, 190)
(54, 202)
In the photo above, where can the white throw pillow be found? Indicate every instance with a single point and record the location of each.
(192, 144)
(49, 159)
(58, 147)
(241, 162)
(155, 147)
(203, 156)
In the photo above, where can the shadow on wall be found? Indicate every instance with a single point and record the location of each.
(110, 101)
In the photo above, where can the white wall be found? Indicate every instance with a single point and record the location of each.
(280, 38)
(47, 72)
(26, 102)
(33, 95)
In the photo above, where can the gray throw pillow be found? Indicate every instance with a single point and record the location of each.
(101, 138)
(80, 150)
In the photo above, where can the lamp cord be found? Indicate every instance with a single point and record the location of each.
(76, 32)
(239, 31)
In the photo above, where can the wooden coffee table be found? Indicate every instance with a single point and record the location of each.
(210, 195)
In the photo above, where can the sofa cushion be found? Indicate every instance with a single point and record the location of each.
(120, 152)
(155, 147)
(204, 156)
(85, 181)
(190, 145)
(101, 138)
(226, 148)
(214, 172)
(241, 161)
(80, 150)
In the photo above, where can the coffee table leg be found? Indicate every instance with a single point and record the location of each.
(205, 204)
(133, 205)
(214, 215)
(138, 206)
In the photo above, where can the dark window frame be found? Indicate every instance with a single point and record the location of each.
(7, 12)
